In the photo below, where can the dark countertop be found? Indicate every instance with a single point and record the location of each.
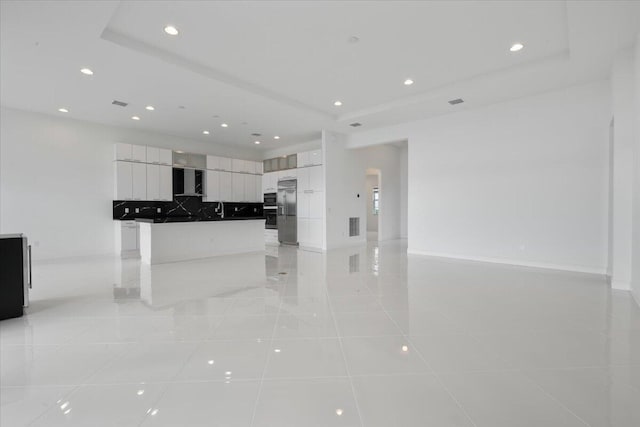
(169, 219)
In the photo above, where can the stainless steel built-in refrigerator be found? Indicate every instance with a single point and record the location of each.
(287, 219)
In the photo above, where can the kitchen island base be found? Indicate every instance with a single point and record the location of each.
(182, 241)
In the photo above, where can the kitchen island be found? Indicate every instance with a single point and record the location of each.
(173, 239)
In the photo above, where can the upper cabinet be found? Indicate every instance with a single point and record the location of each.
(159, 156)
(131, 153)
(238, 165)
(139, 153)
(213, 163)
(310, 158)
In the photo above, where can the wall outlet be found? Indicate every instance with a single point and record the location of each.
(137, 210)
(158, 210)
(126, 210)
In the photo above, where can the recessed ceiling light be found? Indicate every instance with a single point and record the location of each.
(63, 110)
(171, 30)
(206, 132)
(179, 151)
(276, 137)
(337, 103)
(408, 82)
(135, 118)
(516, 47)
(256, 142)
(224, 125)
(149, 107)
(86, 71)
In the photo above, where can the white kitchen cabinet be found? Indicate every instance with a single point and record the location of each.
(165, 156)
(303, 179)
(238, 165)
(270, 182)
(302, 204)
(303, 159)
(315, 158)
(129, 232)
(213, 162)
(166, 182)
(303, 231)
(153, 155)
(224, 164)
(310, 158)
(159, 182)
(127, 236)
(316, 182)
(316, 204)
(258, 188)
(249, 188)
(237, 184)
(258, 167)
(153, 182)
(310, 231)
(212, 186)
(123, 151)
(139, 153)
(287, 174)
(124, 181)
(139, 181)
(315, 232)
(225, 186)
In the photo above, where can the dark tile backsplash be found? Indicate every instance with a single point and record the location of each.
(183, 206)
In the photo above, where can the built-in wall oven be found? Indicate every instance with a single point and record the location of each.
(271, 211)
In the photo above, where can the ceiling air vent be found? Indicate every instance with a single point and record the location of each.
(119, 103)
(256, 134)
(456, 101)
(355, 125)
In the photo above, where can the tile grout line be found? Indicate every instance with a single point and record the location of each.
(46, 411)
(344, 359)
(562, 405)
(437, 377)
(166, 384)
(266, 363)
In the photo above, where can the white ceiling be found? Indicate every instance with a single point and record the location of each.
(275, 67)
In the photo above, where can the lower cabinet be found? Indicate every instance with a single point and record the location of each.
(127, 235)
(310, 232)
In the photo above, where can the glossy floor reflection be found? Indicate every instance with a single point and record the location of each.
(354, 337)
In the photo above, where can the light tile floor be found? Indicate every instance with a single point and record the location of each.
(355, 337)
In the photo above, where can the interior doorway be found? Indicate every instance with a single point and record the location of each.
(374, 197)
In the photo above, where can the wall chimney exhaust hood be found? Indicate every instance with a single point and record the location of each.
(188, 172)
(189, 160)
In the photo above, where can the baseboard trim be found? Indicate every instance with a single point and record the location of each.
(621, 285)
(519, 263)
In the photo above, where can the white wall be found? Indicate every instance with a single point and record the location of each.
(404, 187)
(387, 160)
(622, 102)
(56, 179)
(521, 182)
(346, 179)
(635, 268)
(372, 220)
(343, 184)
